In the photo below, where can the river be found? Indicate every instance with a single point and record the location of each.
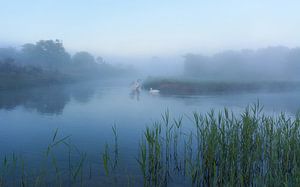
(87, 111)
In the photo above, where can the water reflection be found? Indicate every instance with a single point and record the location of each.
(46, 100)
(135, 95)
(113, 96)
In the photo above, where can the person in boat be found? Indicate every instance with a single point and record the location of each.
(136, 86)
(135, 90)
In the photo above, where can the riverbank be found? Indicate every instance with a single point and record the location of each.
(189, 87)
(13, 76)
(24, 80)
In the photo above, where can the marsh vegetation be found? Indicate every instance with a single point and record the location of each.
(221, 148)
(188, 86)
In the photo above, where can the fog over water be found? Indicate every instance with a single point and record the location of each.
(92, 76)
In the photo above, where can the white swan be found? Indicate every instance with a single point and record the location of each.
(154, 91)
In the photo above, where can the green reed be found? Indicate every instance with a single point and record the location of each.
(213, 149)
(226, 150)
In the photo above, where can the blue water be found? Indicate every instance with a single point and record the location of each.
(87, 111)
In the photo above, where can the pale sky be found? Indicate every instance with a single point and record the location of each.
(152, 27)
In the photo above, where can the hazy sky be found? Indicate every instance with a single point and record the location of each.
(131, 27)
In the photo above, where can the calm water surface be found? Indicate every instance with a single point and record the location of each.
(87, 111)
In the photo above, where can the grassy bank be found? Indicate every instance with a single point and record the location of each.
(17, 81)
(191, 86)
(219, 149)
(13, 76)
(16, 76)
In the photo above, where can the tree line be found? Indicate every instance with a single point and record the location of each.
(48, 61)
(272, 63)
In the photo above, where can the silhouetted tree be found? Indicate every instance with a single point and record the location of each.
(100, 60)
(272, 63)
(46, 53)
(9, 52)
(83, 60)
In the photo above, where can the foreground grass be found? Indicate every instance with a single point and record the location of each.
(221, 149)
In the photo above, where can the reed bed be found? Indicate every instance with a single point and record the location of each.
(223, 149)
(220, 149)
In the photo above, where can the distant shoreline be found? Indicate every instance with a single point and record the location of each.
(10, 81)
(192, 87)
